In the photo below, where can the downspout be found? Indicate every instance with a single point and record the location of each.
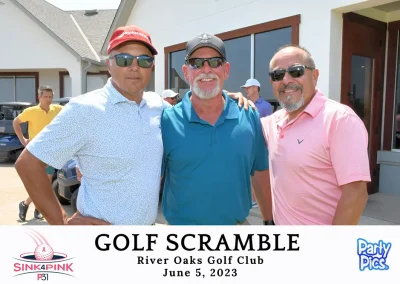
(84, 77)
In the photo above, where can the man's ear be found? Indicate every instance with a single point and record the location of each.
(227, 70)
(315, 75)
(108, 65)
(185, 72)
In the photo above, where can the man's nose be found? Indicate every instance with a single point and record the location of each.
(206, 67)
(287, 78)
(134, 66)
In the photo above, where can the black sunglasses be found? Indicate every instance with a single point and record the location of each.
(125, 60)
(294, 71)
(198, 63)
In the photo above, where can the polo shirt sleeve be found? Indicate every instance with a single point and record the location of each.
(25, 115)
(261, 151)
(63, 138)
(349, 150)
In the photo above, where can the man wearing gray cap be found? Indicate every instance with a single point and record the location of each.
(252, 88)
(212, 147)
(170, 96)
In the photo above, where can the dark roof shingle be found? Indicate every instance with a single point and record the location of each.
(95, 27)
(61, 24)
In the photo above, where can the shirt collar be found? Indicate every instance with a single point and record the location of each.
(316, 104)
(51, 107)
(259, 100)
(231, 110)
(116, 97)
(313, 108)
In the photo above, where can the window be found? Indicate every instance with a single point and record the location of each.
(238, 54)
(20, 88)
(7, 89)
(249, 51)
(265, 45)
(177, 80)
(95, 81)
(67, 87)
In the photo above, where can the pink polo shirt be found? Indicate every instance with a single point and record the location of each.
(311, 157)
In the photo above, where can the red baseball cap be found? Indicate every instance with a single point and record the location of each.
(130, 33)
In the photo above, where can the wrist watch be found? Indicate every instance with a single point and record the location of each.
(269, 222)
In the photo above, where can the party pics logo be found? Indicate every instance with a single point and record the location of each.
(43, 261)
(373, 256)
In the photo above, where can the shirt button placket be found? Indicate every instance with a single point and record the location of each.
(214, 135)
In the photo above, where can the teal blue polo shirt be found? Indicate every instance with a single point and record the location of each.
(207, 168)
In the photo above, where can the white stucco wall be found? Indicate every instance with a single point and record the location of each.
(51, 78)
(27, 45)
(177, 21)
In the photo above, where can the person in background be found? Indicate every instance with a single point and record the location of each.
(252, 88)
(170, 96)
(37, 118)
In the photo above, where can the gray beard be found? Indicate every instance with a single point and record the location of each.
(291, 107)
(206, 95)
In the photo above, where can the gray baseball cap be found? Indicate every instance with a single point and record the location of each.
(205, 40)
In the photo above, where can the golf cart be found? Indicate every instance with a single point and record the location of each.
(68, 184)
(61, 101)
(10, 146)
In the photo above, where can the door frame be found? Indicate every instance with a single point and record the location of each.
(390, 92)
(378, 91)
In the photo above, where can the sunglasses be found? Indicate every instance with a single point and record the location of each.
(198, 63)
(125, 60)
(294, 71)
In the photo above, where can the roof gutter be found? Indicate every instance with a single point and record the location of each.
(85, 38)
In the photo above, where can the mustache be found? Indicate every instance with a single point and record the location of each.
(206, 76)
(291, 87)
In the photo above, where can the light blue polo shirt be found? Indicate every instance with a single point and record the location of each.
(207, 168)
(117, 144)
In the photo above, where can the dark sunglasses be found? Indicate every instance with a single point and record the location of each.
(198, 63)
(125, 60)
(294, 71)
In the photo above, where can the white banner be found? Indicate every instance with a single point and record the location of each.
(200, 254)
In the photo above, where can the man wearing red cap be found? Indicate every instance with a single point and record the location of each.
(114, 134)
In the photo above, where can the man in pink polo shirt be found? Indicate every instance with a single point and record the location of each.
(317, 148)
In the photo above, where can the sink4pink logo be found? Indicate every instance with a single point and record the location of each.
(43, 261)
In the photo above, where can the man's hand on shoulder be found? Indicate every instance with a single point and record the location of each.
(242, 101)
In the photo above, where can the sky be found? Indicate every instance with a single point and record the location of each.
(85, 4)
